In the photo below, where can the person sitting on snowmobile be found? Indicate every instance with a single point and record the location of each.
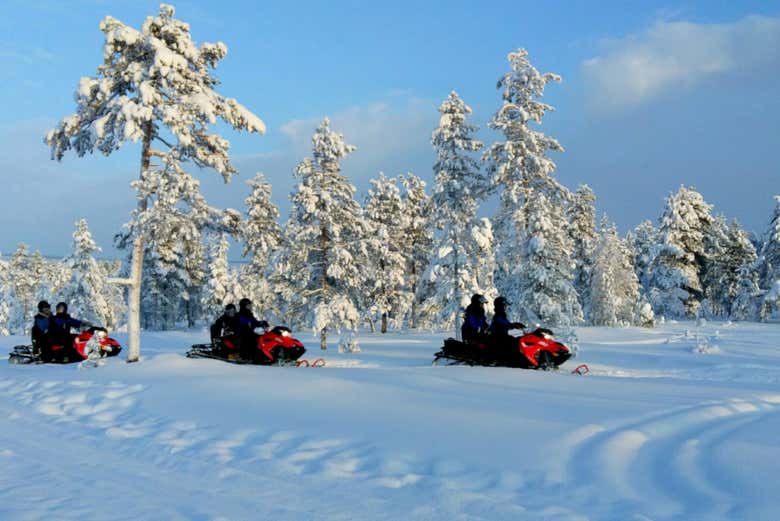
(500, 325)
(41, 334)
(475, 326)
(225, 327)
(61, 323)
(247, 324)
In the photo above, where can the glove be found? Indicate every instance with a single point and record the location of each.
(518, 325)
(264, 324)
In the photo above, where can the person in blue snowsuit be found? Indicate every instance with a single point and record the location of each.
(61, 323)
(500, 325)
(41, 333)
(475, 326)
(247, 323)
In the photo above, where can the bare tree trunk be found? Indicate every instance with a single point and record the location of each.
(134, 315)
(136, 267)
(415, 284)
(457, 292)
(324, 282)
(384, 323)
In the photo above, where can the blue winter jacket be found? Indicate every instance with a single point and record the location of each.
(474, 324)
(247, 322)
(65, 322)
(42, 323)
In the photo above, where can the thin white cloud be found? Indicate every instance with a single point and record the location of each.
(11, 53)
(673, 55)
(377, 129)
(392, 135)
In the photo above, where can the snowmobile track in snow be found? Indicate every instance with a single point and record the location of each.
(677, 446)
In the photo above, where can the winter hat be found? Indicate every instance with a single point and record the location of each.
(478, 299)
(244, 303)
(230, 306)
(43, 305)
(501, 301)
(62, 305)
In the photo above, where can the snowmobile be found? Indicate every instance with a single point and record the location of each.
(274, 347)
(535, 350)
(92, 343)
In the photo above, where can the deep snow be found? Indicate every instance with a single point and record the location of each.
(678, 422)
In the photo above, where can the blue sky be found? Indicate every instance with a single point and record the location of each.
(654, 95)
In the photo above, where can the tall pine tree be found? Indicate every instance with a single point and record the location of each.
(615, 297)
(262, 238)
(387, 269)
(676, 290)
(87, 292)
(320, 265)
(416, 240)
(769, 266)
(155, 86)
(545, 273)
(453, 273)
(519, 165)
(581, 214)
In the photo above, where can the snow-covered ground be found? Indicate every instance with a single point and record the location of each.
(679, 422)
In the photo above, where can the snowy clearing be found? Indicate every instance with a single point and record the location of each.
(677, 422)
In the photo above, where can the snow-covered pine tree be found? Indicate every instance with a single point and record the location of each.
(724, 276)
(747, 301)
(644, 242)
(221, 281)
(24, 288)
(453, 273)
(769, 266)
(262, 237)
(581, 214)
(114, 293)
(614, 284)
(416, 240)
(675, 287)
(519, 165)
(154, 86)
(42, 273)
(5, 299)
(86, 292)
(173, 221)
(387, 266)
(319, 267)
(544, 274)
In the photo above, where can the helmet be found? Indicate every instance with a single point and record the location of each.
(43, 305)
(478, 299)
(244, 303)
(62, 305)
(501, 302)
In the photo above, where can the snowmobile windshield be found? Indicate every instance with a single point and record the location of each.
(544, 333)
(282, 330)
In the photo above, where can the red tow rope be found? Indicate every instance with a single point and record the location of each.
(305, 363)
(581, 369)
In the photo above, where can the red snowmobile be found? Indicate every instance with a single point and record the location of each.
(274, 347)
(535, 350)
(84, 347)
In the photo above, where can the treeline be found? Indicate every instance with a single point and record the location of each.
(401, 256)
